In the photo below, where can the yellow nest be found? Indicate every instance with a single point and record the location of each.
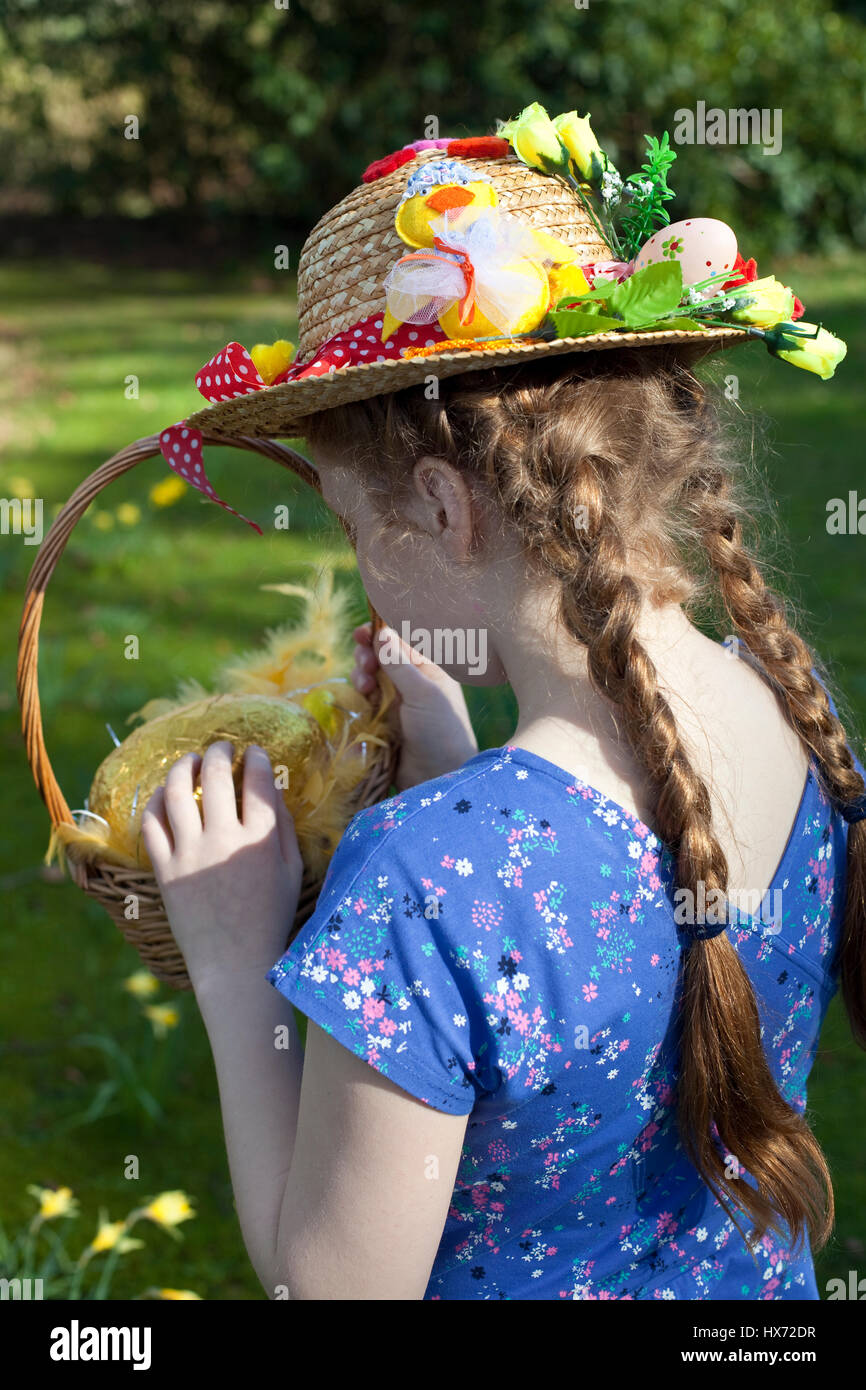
(321, 738)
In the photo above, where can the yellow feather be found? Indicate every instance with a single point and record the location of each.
(307, 661)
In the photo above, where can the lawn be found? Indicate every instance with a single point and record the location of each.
(186, 579)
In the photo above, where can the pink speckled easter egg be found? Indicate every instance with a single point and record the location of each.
(703, 246)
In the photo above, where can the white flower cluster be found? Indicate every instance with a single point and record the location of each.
(611, 187)
(644, 186)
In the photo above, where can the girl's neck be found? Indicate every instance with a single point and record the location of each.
(564, 719)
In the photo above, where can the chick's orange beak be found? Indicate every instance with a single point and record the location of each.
(446, 198)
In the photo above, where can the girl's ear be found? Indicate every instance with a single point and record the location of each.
(444, 502)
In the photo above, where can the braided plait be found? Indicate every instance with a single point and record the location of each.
(725, 1079)
(760, 618)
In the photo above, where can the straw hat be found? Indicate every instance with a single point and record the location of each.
(341, 275)
(453, 256)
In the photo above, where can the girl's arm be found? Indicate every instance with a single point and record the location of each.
(230, 888)
(259, 1065)
(342, 1180)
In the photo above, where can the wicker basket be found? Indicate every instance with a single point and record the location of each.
(108, 883)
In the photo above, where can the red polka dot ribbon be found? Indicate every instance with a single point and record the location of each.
(232, 373)
(180, 446)
(362, 344)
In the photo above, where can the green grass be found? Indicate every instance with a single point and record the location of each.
(186, 581)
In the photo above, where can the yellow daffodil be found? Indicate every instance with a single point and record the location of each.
(817, 351)
(534, 139)
(109, 1235)
(20, 487)
(142, 984)
(128, 513)
(169, 1209)
(162, 1017)
(577, 136)
(54, 1201)
(168, 491)
(763, 303)
(272, 359)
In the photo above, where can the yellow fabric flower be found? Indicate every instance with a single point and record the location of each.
(141, 984)
(534, 139)
(169, 1209)
(577, 136)
(162, 1017)
(763, 303)
(54, 1202)
(272, 359)
(820, 354)
(566, 280)
(168, 491)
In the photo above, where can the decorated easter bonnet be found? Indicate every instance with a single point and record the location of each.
(455, 255)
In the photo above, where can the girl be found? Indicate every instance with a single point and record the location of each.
(563, 995)
(569, 1094)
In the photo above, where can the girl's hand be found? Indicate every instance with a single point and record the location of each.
(437, 733)
(230, 887)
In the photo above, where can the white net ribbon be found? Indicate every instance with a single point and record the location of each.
(488, 259)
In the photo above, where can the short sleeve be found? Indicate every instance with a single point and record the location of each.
(380, 967)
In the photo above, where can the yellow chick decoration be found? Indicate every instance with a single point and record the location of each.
(474, 269)
(291, 696)
(439, 188)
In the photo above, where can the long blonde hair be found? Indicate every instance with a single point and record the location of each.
(637, 440)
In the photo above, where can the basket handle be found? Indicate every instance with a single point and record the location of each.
(45, 563)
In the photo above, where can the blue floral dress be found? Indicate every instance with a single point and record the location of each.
(503, 942)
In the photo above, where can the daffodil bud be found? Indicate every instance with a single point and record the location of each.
(534, 139)
(815, 350)
(577, 136)
(763, 303)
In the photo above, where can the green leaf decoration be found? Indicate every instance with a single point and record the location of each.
(650, 294)
(688, 325)
(646, 211)
(576, 323)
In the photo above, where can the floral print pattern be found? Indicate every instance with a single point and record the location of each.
(501, 943)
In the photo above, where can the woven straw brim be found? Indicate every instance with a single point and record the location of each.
(274, 412)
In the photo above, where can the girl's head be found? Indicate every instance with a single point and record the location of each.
(600, 482)
(571, 480)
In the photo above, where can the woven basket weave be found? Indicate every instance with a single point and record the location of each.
(110, 884)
